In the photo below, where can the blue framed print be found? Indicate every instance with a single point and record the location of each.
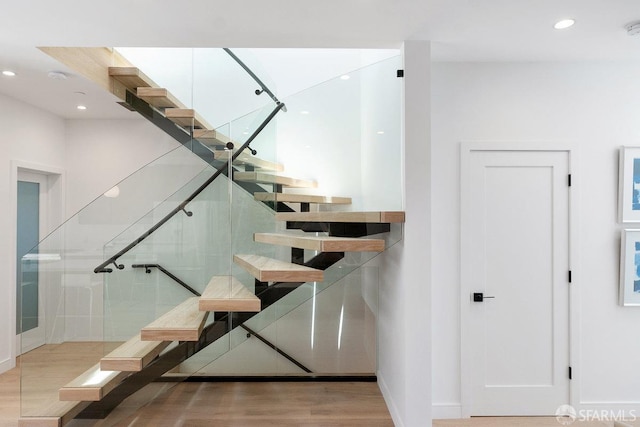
(629, 185)
(630, 268)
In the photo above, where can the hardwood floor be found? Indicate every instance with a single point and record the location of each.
(517, 422)
(231, 404)
(245, 404)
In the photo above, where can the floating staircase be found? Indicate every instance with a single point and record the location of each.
(140, 356)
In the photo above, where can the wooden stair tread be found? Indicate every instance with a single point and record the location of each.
(301, 198)
(186, 117)
(183, 323)
(54, 413)
(159, 97)
(247, 159)
(92, 385)
(210, 137)
(272, 270)
(226, 293)
(321, 243)
(329, 216)
(131, 77)
(133, 355)
(267, 178)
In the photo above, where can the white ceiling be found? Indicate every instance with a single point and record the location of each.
(461, 30)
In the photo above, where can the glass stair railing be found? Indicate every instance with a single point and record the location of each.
(225, 279)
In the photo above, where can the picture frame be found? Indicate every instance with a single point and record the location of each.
(630, 268)
(629, 185)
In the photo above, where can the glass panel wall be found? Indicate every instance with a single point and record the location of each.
(160, 236)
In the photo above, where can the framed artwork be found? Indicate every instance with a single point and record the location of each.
(629, 185)
(630, 268)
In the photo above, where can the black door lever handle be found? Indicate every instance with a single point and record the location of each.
(479, 297)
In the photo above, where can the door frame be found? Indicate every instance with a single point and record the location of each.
(466, 284)
(55, 217)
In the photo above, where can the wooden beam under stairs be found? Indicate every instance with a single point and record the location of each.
(267, 178)
(92, 385)
(272, 270)
(226, 293)
(247, 159)
(329, 216)
(321, 243)
(301, 198)
(53, 414)
(93, 63)
(186, 117)
(159, 97)
(183, 323)
(133, 355)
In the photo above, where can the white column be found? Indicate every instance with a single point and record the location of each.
(404, 322)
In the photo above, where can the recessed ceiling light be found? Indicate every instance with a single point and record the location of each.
(81, 107)
(304, 112)
(8, 73)
(345, 77)
(565, 23)
(380, 132)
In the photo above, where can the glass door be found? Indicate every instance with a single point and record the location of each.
(32, 193)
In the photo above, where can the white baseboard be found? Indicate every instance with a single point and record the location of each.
(611, 405)
(7, 364)
(393, 409)
(443, 411)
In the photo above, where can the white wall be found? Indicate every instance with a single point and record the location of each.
(404, 351)
(93, 155)
(27, 135)
(101, 153)
(594, 106)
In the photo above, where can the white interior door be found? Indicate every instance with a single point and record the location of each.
(31, 226)
(515, 245)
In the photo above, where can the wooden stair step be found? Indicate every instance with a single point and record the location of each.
(158, 97)
(210, 137)
(301, 198)
(183, 323)
(247, 159)
(53, 414)
(321, 243)
(186, 117)
(133, 355)
(226, 293)
(92, 385)
(272, 270)
(267, 178)
(329, 216)
(131, 77)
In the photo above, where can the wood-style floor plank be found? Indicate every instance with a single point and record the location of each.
(226, 404)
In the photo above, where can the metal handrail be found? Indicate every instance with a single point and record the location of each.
(102, 268)
(148, 267)
(263, 87)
